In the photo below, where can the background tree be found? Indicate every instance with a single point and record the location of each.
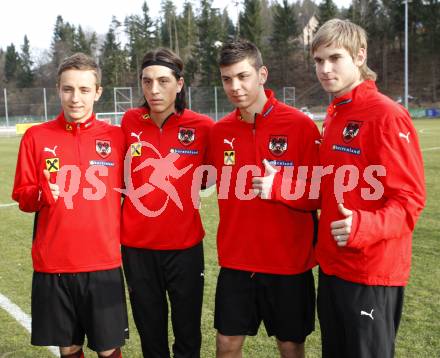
(188, 35)
(63, 41)
(12, 63)
(228, 28)
(251, 24)
(2, 66)
(306, 10)
(113, 58)
(187, 29)
(140, 32)
(25, 74)
(327, 10)
(83, 42)
(169, 36)
(430, 34)
(209, 24)
(284, 31)
(197, 32)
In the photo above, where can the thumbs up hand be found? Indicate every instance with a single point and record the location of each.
(54, 189)
(341, 229)
(262, 186)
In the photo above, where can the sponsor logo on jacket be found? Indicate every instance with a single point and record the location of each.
(52, 164)
(345, 149)
(229, 157)
(184, 151)
(136, 147)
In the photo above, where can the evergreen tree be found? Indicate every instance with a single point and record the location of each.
(327, 10)
(187, 29)
(140, 30)
(430, 34)
(209, 24)
(114, 64)
(12, 63)
(84, 43)
(2, 65)
(156, 33)
(228, 28)
(25, 74)
(168, 26)
(187, 37)
(63, 41)
(284, 31)
(267, 21)
(251, 26)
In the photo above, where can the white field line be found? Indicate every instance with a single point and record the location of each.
(430, 149)
(7, 205)
(21, 317)
(428, 130)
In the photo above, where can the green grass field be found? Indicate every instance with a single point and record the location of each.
(419, 334)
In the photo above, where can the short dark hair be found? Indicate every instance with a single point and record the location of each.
(82, 62)
(237, 51)
(166, 55)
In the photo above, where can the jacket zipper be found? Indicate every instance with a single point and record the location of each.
(254, 134)
(78, 143)
(161, 131)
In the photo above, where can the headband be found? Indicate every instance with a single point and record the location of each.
(170, 65)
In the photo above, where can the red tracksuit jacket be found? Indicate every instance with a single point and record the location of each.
(366, 128)
(254, 234)
(166, 215)
(80, 232)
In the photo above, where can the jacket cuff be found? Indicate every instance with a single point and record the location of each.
(276, 187)
(355, 238)
(46, 198)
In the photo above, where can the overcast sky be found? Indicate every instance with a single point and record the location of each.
(36, 18)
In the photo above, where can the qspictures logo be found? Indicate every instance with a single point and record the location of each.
(164, 171)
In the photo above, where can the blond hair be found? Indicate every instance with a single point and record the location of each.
(82, 62)
(345, 34)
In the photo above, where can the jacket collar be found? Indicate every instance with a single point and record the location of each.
(268, 106)
(356, 94)
(72, 126)
(145, 116)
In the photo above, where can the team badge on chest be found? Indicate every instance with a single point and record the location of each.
(278, 144)
(351, 130)
(186, 135)
(103, 148)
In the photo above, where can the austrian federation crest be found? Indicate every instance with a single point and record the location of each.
(278, 144)
(351, 130)
(103, 148)
(186, 135)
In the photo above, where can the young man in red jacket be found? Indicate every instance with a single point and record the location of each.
(77, 286)
(161, 227)
(365, 230)
(264, 247)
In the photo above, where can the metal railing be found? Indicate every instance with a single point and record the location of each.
(41, 104)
